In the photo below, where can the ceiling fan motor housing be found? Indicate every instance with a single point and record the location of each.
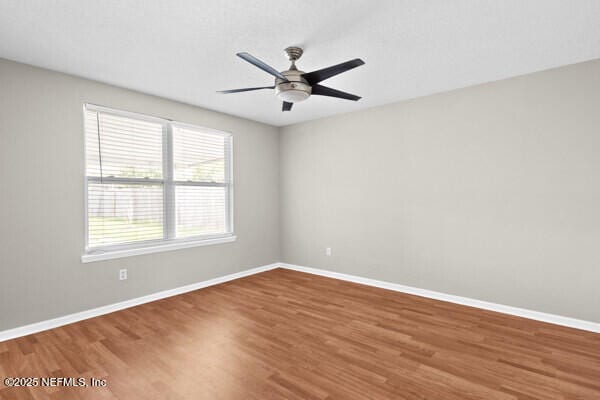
(295, 90)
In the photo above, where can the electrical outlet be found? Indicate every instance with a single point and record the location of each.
(328, 251)
(122, 274)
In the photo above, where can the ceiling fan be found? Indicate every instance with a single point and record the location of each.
(293, 86)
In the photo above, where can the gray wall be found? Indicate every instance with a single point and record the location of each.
(42, 200)
(490, 192)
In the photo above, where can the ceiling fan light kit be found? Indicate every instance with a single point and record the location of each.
(293, 86)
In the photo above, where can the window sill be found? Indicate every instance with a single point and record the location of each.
(109, 255)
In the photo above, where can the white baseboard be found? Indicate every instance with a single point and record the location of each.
(68, 319)
(520, 312)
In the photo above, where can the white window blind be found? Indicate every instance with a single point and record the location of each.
(152, 181)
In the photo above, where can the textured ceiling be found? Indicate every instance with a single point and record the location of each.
(185, 50)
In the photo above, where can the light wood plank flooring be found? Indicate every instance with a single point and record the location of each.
(288, 335)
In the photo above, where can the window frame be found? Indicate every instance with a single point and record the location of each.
(169, 241)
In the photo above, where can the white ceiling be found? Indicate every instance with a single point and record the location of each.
(185, 49)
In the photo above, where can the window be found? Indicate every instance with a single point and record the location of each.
(154, 184)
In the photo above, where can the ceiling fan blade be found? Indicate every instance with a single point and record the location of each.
(326, 73)
(262, 65)
(286, 106)
(327, 91)
(245, 89)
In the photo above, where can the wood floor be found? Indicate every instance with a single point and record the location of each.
(288, 335)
